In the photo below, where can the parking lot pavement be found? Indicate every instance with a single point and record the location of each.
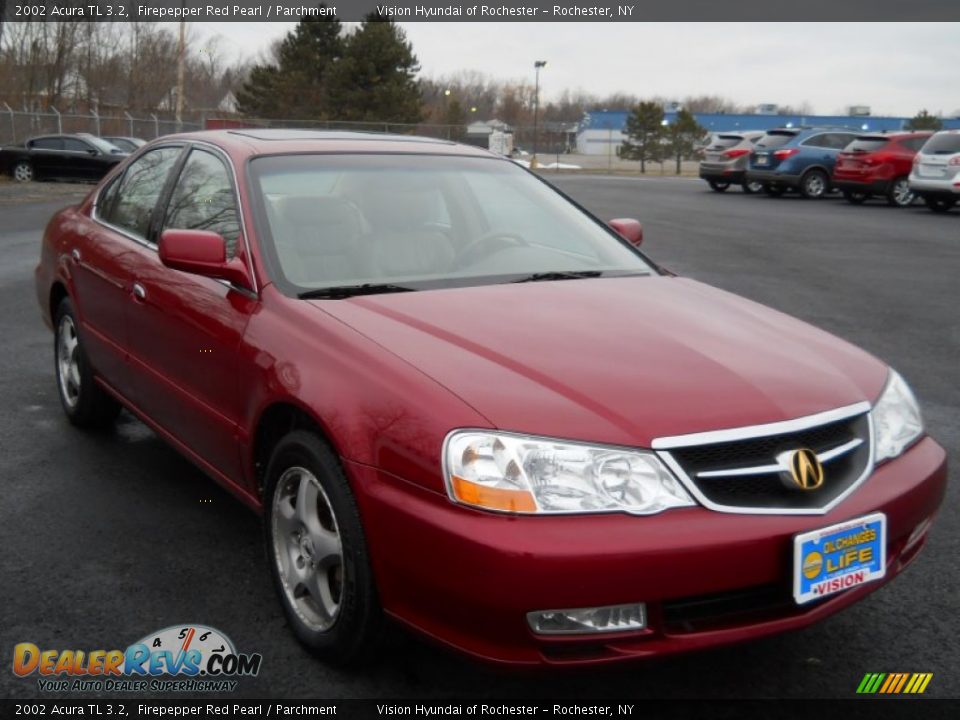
(107, 537)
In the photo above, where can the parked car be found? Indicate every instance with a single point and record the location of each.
(878, 164)
(463, 402)
(797, 159)
(62, 157)
(725, 161)
(936, 171)
(127, 144)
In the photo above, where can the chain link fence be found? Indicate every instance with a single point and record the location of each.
(17, 126)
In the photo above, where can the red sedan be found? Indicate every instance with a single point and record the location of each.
(462, 402)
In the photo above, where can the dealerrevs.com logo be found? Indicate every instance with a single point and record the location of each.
(180, 658)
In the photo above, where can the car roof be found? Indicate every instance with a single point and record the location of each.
(273, 141)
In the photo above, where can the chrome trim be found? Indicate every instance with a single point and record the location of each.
(139, 291)
(782, 464)
(800, 424)
(754, 431)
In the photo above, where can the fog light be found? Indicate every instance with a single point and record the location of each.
(614, 618)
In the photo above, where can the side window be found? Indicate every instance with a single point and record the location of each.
(106, 197)
(816, 141)
(913, 144)
(203, 199)
(46, 144)
(839, 141)
(139, 190)
(74, 145)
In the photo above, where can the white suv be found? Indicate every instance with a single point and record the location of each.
(936, 171)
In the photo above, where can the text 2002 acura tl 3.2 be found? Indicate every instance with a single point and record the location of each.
(463, 402)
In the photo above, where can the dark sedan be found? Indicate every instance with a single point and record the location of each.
(61, 157)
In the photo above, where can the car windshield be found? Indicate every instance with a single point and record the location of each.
(775, 139)
(399, 222)
(99, 143)
(942, 144)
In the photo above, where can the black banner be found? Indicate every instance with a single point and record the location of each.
(674, 709)
(491, 11)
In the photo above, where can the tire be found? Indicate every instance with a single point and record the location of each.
(814, 184)
(85, 403)
(900, 194)
(751, 188)
(773, 190)
(855, 198)
(317, 552)
(718, 186)
(939, 204)
(23, 172)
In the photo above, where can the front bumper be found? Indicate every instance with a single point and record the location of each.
(467, 578)
(773, 177)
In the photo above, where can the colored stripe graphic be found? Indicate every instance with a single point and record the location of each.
(894, 683)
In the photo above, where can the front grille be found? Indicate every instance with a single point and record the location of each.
(769, 491)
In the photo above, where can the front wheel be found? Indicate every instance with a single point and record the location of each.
(23, 172)
(718, 186)
(900, 194)
(84, 402)
(317, 551)
(939, 204)
(814, 185)
(751, 188)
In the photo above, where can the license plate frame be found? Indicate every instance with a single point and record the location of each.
(830, 560)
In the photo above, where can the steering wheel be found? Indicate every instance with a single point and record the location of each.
(495, 237)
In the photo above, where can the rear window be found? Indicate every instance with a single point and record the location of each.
(867, 144)
(775, 139)
(722, 142)
(945, 144)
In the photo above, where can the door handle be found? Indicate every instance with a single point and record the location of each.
(75, 254)
(139, 292)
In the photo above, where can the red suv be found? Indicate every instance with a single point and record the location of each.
(462, 402)
(878, 164)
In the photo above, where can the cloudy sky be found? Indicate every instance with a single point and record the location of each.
(895, 68)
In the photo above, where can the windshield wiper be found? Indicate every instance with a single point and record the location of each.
(559, 275)
(344, 291)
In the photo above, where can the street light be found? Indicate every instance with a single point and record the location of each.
(536, 108)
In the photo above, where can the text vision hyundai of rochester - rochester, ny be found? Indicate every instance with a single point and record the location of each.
(462, 402)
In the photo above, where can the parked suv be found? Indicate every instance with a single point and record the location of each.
(797, 159)
(936, 171)
(878, 165)
(725, 161)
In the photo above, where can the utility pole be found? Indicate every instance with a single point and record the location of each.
(181, 51)
(536, 109)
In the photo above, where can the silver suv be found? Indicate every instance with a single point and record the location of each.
(725, 160)
(936, 171)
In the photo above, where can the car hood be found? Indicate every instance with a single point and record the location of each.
(616, 360)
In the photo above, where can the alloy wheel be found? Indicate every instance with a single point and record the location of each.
(68, 362)
(308, 549)
(814, 185)
(23, 172)
(901, 194)
(753, 187)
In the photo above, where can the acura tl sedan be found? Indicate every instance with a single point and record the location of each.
(463, 403)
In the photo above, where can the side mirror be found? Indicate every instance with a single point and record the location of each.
(629, 229)
(202, 252)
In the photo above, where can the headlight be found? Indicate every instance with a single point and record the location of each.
(520, 474)
(896, 419)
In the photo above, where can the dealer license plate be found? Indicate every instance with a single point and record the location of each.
(839, 557)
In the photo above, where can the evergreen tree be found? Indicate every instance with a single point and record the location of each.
(296, 86)
(455, 117)
(375, 80)
(925, 121)
(683, 134)
(644, 135)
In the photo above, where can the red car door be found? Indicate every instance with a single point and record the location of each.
(185, 330)
(102, 255)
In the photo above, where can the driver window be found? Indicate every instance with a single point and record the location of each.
(140, 189)
(204, 200)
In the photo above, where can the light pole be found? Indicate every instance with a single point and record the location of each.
(536, 108)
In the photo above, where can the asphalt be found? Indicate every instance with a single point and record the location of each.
(104, 538)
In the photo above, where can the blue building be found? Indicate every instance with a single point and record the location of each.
(601, 132)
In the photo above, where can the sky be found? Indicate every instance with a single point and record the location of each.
(895, 68)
